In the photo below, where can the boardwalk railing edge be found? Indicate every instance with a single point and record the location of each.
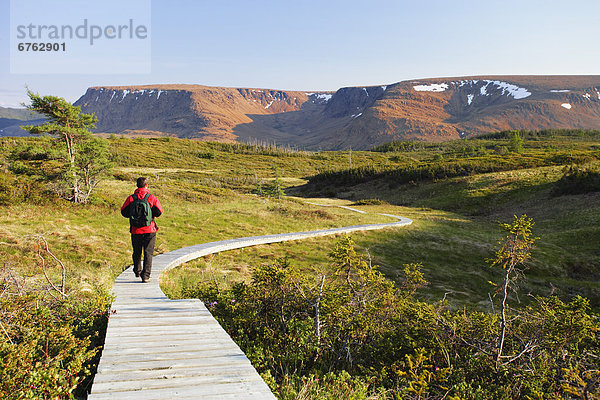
(186, 254)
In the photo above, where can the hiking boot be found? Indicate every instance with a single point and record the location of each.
(145, 280)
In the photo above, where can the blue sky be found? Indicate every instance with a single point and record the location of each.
(325, 45)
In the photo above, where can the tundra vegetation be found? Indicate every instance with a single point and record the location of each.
(454, 306)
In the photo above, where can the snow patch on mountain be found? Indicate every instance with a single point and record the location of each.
(434, 87)
(488, 85)
(566, 105)
(320, 96)
(512, 90)
(137, 93)
(468, 82)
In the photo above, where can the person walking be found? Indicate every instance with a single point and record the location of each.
(141, 208)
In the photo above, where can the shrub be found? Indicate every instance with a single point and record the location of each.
(544, 133)
(48, 346)
(349, 329)
(125, 176)
(370, 202)
(262, 148)
(19, 189)
(440, 169)
(208, 155)
(578, 179)
(399, 146)
(516, 143)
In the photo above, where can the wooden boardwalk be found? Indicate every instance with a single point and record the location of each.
(157, 348)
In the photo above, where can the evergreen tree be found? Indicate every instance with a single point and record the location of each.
(516, 143)
(87, 157)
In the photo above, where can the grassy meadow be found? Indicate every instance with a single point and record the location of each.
(455, 218)
(455, 192)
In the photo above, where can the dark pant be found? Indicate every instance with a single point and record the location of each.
(145, 242)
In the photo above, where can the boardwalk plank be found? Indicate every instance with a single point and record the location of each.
(224, 376)
(214, 369)
(241, 390)
(151, 365)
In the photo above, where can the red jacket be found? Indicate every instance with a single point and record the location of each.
(156, 210)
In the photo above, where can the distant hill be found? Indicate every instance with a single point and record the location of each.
(21, 114)
(12, 118)
(352, 117)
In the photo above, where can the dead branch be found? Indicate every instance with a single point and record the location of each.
(60, 290)
(527, 349)
(475, 346)
(6, 333)
(12, 277)
(62, 266)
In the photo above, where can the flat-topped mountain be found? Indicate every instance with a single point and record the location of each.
(352, 117)
(191, 111)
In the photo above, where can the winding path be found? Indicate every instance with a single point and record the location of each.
(157, 348)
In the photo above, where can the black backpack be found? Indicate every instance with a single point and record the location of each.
(140, 214)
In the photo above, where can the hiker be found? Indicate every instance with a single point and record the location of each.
(141, 208)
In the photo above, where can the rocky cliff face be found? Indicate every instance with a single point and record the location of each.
(352, 101)
(191, 111)
(143, 110)
(353, 117)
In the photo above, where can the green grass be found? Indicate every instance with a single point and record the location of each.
(565, 257)
(439, 240)
(455, 230)
(226, 162)
(453, 249)
(93, 241)
(207, 191)
(208, 199)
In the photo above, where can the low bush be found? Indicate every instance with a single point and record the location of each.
(542, 134)
(370, 202)
(18, 189)
(348, 328)
(45, 150)
(400, 145)
(261, 148)
(208, 155)
(49, 346)
(578, 179)
(442, 169)
(125, 176)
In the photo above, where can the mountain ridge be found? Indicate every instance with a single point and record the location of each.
(357, 117)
